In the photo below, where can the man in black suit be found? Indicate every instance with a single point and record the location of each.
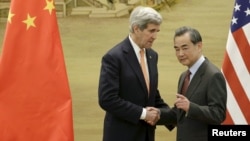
(130, 100)
(204, 101)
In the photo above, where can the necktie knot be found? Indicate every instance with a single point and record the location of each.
(188, 74)
(142, 52)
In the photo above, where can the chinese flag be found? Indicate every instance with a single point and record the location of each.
(236, 65)
(35, 100)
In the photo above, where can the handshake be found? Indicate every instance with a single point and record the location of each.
(152, 115)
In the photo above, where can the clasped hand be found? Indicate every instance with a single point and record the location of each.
(152, 115)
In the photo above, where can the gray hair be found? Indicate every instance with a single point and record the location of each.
(194, 34)
(142, 16)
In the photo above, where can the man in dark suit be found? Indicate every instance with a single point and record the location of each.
(204, 101)
(129, 97)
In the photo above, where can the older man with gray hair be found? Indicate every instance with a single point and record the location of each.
(128, 84)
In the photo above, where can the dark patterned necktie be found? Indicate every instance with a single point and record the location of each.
(185, 83)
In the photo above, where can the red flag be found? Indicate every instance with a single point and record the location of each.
(236, 65)
(35, 100)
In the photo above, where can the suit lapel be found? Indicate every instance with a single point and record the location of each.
(132, 60)
(195, 82)
(150, 67)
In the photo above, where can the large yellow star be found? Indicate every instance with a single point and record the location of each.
(49, 6)
(10, 15)
(29, 21)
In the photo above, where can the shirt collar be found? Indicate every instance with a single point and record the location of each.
(193, 69)
(135, 47)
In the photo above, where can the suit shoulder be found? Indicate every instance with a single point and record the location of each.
(152, 53)
(213, 68)
(212, 71)
(119, 48)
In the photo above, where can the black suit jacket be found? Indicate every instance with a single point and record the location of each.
(123, 93)
(207, 95)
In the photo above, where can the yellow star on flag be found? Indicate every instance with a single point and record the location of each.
(10, 15)
(29, 21)
(49, 6)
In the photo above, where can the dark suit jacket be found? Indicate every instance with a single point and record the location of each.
(207, 94)
(123, 93)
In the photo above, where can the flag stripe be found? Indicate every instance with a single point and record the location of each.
(246, 30)
(235, 86)
(233, 114)
(238, 64)
(243, 46)
(234, 109)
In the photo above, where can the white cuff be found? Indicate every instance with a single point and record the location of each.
(143, 114)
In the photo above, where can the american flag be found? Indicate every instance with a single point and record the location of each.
(236, 65)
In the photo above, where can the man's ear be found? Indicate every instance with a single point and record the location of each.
(199, 44)
(136, 28)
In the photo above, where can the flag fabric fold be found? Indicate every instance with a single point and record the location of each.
(35, 99)
(236, 65)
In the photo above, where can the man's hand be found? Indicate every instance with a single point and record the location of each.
(182, 102)
(152, 116)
